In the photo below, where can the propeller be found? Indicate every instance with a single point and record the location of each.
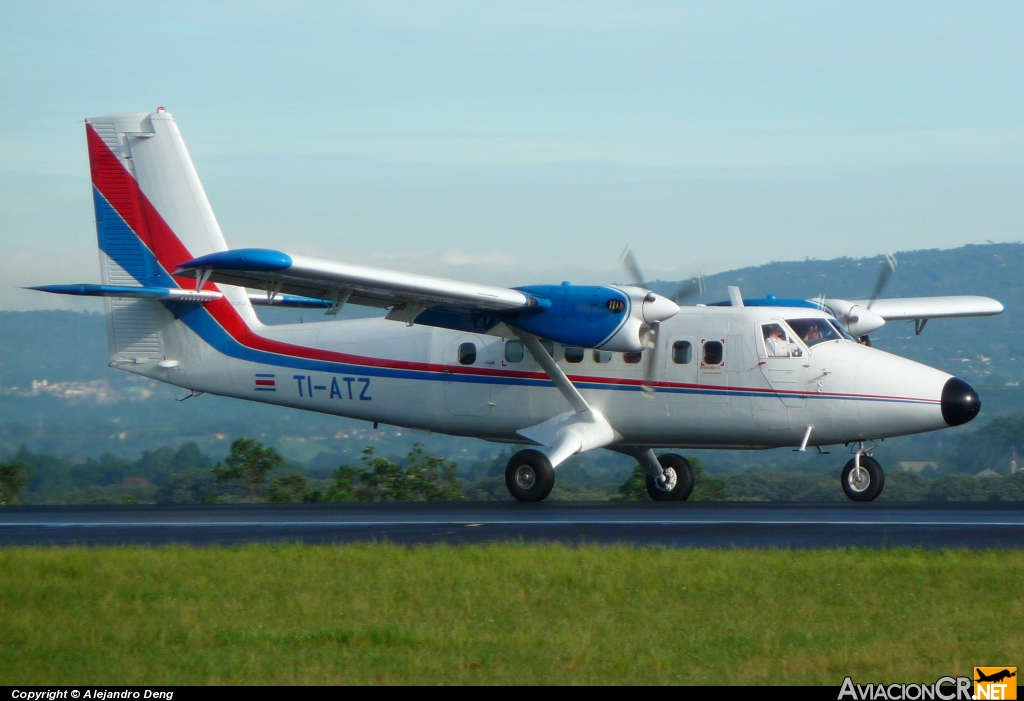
(688, 290)
(629, 262)
(885, 272)
(884, 275)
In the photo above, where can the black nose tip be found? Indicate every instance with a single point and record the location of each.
(960, 403)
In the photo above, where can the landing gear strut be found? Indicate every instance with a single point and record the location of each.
(863, 478)
(676, 481)
(529, 475)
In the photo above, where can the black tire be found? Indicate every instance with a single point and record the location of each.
(866, 490)
(529, 475)
(679, 476)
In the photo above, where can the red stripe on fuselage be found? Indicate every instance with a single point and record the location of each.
(122, 191)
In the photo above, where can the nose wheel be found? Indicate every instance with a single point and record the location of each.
(863, 482)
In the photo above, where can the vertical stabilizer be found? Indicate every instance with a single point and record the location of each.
(152, 214)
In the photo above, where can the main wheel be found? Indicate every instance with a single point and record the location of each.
(867, 485)
(529, 475)
(678, 479)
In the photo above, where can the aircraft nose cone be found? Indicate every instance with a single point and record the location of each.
(960, 403)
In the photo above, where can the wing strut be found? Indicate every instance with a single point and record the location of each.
(574, 432)
(564, 385)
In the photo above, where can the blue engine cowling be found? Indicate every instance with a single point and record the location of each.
(607, 317)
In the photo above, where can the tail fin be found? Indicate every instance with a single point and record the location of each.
(152, 214)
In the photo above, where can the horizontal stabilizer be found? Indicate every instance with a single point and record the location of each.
(173, 294)
(155, 293)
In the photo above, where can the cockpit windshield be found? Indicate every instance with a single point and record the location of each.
(839, 327)
(814, 331)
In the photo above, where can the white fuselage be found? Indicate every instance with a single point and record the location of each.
(385, 371)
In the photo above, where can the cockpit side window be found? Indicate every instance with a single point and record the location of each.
(778, 343)
(813, 331)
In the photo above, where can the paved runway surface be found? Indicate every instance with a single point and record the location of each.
(973, 525)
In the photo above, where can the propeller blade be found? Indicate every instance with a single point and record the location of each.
(691, 289)
(884, 273)
(628, 261)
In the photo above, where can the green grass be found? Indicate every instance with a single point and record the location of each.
(503, 614)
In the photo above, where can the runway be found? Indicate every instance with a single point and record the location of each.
(708, 524)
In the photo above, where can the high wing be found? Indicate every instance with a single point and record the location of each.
(864, 316)
(912, 308)
(340, 283)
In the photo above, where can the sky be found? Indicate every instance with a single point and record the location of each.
(520, 143)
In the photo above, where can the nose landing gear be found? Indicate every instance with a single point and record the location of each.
(863, 478)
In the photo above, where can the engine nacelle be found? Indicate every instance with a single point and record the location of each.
(611, 318)
(859, 321)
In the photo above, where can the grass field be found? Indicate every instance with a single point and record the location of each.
(503, 614)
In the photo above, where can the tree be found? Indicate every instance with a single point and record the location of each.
(428, 478)
(432, 478)
(13, 477)
(706, 487)
(292, 488)
(634, 488)
(386, 477)
(347, 485)
(250, 462)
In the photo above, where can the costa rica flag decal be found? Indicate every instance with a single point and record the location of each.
(265, 382)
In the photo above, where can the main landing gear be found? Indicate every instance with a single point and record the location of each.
(676, 481)
(529, 475)
(863, 478)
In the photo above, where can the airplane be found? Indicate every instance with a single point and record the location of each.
(561, 369)
(995, 677)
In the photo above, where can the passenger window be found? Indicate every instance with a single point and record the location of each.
(467, 353)
(682, 352)
(813, 331)
(713, 353)
(602, 356)
(633, 357)
(514, 352)
(573, 354)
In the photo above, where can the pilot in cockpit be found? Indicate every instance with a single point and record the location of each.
(775, 341)
(812, 335)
